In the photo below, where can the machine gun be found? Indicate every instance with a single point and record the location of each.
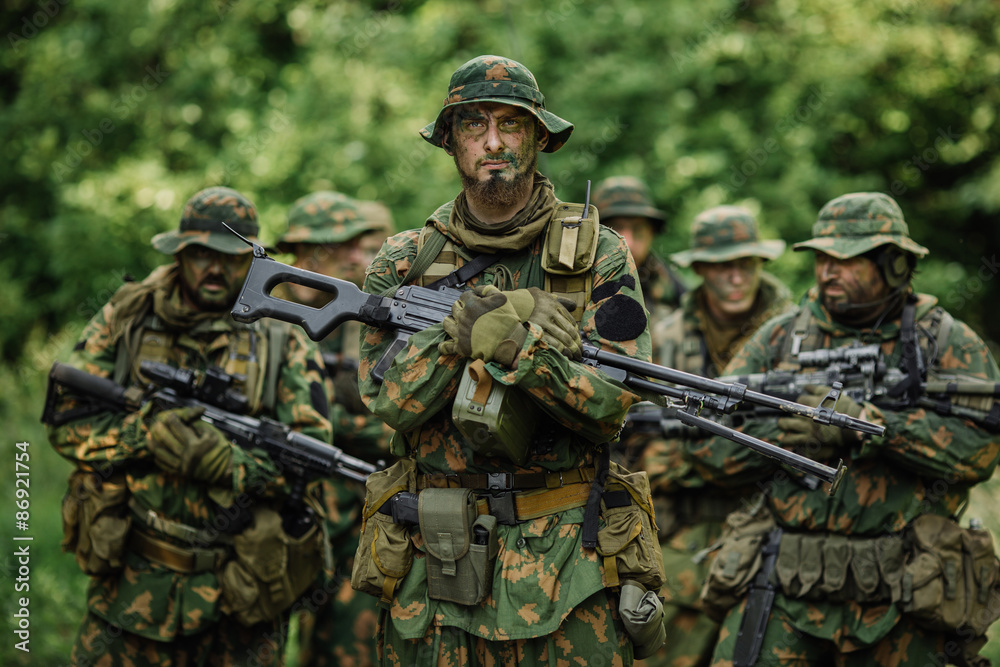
(861, 373)
(301, 458)
(412, 308)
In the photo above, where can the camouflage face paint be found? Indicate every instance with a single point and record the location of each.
(730, 287)
(211, 280)
(851, 286)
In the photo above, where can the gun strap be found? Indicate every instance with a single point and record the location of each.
(462, 274)
(593, 508)
(750, 638)
(425, 257)
(910, 385)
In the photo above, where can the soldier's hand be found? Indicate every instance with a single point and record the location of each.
(552, 314)
(818, 440)
(484, 325)
(184, 445)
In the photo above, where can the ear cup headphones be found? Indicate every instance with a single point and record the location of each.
(895, 266)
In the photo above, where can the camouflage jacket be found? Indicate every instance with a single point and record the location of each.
(148, 599)
(925, 463)
(678, 343)
(542, 571)
(662, 286)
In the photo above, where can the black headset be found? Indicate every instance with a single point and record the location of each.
(894, 263)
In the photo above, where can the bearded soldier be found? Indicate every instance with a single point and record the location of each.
(512, 558)
(172, 520)
(880, 572)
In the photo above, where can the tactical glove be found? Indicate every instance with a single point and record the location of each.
(184, 445)
(559, 330)
(484, 325)
(814, 439)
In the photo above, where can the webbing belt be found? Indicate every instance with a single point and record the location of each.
(505, 481)
(179, 559)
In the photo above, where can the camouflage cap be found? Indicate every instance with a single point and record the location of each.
(498, 79)
(378, 213)
(201, 223)
(324, 217)
(725, 233)
(626, 196)
(855, 223)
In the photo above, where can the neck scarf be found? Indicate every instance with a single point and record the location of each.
(511, 235)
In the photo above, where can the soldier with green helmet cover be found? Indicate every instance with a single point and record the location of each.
(163, 509)
(626, 206)
(850, 574)
(735, 297)
(334, 234)
(529, 547)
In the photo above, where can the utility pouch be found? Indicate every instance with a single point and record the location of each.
(738, 560)
(96, 521)
(950, 581)
(385, 551)
(271, 569)
(457, 569)
(626, 537)
(642, 615)
(495, 419)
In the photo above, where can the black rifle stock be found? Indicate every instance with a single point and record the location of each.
(413, 308)
(301, 458)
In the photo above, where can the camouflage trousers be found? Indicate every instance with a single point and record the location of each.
(226, 644)
(906, 644)
(591, 635)
(341, 632)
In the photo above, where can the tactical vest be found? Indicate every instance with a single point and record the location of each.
(569, 250)
(680, 345)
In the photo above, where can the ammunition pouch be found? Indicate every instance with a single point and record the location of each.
(461, 545)
(626, 535)
(740, 557)
(385, 551)
(271, 568)
(495, 419)
(96, 521)
(950, 579)
(642, 615)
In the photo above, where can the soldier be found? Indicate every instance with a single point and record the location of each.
(852, 573)
(163, 508)
(502, 566)
(626, 206)
(735, 297)
(328, 233)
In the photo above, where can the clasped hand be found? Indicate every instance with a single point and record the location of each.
(184, 445)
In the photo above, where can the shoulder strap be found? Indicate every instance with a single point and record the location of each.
(426, 254)
(277, 339)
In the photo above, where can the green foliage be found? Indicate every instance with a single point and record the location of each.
(113, 114)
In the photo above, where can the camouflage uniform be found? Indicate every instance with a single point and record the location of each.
(341, 631)
(548, 601)
(924, 464)
(150, 613)
(689, 519)
(626, 196)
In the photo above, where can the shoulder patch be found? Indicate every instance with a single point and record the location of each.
(612, 288)
(620, 318)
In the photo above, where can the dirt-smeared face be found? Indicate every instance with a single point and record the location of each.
(211, 280)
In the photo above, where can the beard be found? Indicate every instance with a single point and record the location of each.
(213, 304)
(500, 190)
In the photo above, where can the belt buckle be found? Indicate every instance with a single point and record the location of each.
(502, 507)
(499, 481)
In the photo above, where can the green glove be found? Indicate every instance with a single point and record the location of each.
(184, 445)
(484, 325)
(552, 314)
(814, 439)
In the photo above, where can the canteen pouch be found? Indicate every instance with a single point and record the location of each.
(457, 569)
(950, 581)
(495, 419)
(641, 612)
(626, 536)
(271, 568)
(96, 522)
(385, 551)
(738, 560)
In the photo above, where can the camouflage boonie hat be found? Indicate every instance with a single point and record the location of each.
(201, 223)
(725, 233)
(855, 223)
(626, 197)
(324, 217)
(378, 213)
(498, 79)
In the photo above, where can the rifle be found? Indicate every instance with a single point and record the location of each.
(412, 308)
(301, 458)
(862, 371)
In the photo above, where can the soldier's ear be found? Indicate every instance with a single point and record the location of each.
(542, 134)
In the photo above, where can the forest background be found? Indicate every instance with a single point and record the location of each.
(112, 114)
